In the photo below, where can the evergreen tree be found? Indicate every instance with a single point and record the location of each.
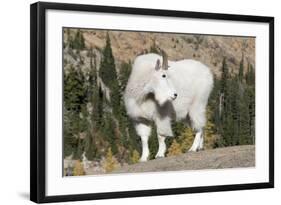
(228, 130)
(94, 94)
(209, 131)
(224, 105)
(68, 140)
(244, 123)
(113, 125)
(75, 98)
(224, 77)
(233, 107)
(90, 148)
(91, 82)
(250, 75)
(99, 108)
(108, 130)
(134, 141)
(241, 69)
(75, 95)
(251, 94)
(80, 148)
(78, 42)
(214, 105)
(125, 72)
(107, 67)
(123, 125)
(223, 98)
(235, 112)
(109, 76)
(247, 117)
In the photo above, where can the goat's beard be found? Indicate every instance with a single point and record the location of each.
(161, 100)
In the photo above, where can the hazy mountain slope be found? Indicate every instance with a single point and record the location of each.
(208, 49)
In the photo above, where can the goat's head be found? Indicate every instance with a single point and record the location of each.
(160, 84)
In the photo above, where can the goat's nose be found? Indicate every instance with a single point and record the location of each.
(175, 95)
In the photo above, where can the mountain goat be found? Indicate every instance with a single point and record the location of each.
(159, 90)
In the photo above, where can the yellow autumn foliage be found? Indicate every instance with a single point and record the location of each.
(174, 149)
(110, 162)
(186, 139)
(135, 157)
(78, 169)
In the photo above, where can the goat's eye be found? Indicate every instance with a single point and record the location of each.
(163, 76)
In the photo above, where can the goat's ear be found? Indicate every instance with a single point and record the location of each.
(157, 66)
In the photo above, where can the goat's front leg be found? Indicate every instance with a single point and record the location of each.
(164, 129)
(145, 149)
(162, 146)
(143, 131)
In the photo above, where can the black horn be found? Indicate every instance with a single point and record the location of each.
(157, 66)
(165, 65)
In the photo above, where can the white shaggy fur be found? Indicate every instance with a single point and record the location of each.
(159, 95)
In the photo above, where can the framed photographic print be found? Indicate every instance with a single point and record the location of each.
(129, 102)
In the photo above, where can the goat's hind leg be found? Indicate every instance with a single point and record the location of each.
(198, 120)
(198, 143)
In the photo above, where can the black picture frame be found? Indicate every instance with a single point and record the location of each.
(38, 101)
